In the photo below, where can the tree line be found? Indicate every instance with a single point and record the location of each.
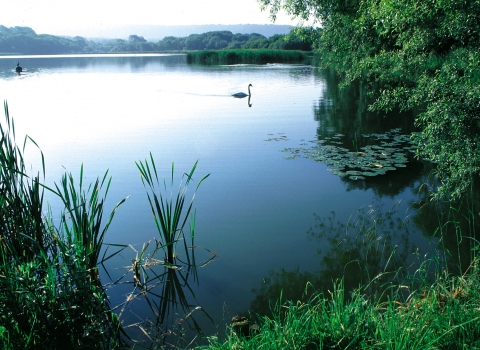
(24, 40)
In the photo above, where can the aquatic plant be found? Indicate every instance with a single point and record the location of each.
(51, 296)
(170, 215)
(373, 247)
(165, 290)
(21, 200)
(394, 297)
(251, 56)
(388, 154)
(81, 221)
(439, 315)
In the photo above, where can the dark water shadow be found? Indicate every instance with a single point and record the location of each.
(368, 150)
(378, 248)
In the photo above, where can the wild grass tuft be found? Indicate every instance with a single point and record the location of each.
(50, 296)
(415, 305)
(446, 315)
(170, 211)
(81, 221)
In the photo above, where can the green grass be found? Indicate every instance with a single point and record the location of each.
(81, 221)
(392, 305)
(51, 293)
(441, 315)
(52, 296)
(390, 295)
(259, 56)
(170, 214)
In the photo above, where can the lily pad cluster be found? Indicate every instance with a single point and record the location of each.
(282, 137)
(387, 152)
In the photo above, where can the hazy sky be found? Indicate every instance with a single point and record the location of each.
(68, 16)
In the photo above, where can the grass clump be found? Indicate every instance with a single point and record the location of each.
(51, 295)
(388, 297)
(170, 215)
(258, 56)
(444, 314)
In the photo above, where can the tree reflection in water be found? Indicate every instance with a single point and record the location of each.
(454, 223)
(372, 250)
(377, 248)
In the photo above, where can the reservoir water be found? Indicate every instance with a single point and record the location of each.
(272, 214)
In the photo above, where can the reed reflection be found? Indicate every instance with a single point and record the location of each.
(380, 248)
(373, 250)
(162, 306)
(453, 222)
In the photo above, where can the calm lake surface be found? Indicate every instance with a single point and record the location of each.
(260, 208)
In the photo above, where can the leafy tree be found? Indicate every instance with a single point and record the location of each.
(80, 42)
(216, 43)
(136, 39)
(23, 30)
(171, 43)
(234, 45)
(256, 41)
(277, 42)
(223, 35)
(414, 54)
(238, 40)
(194, 42)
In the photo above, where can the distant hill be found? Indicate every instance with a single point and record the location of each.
(24, 40)
(158, 32)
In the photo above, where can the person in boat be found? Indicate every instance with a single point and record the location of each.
(18, 69)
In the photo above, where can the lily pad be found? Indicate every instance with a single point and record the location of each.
(385, 152)
(369, 173)
(354, 173)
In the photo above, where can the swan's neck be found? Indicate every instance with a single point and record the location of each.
(249, 90)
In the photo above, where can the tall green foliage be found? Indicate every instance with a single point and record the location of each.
(21, 201)
(415, 54)
(81, 221)
(260, 56)
(443, 315)
(50, 296)
(169, 212)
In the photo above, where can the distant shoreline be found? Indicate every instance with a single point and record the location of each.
(158, 32)
(17, 55)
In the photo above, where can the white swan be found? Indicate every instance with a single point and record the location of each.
(242, 94)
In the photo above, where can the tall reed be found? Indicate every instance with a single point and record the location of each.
(170, 211)
(50, 292)
(252, 56)
(81, 220)
(21, 200)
